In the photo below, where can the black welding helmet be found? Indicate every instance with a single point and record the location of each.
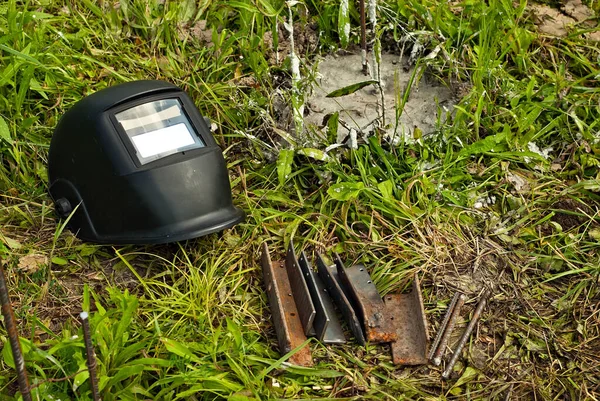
(137, 164)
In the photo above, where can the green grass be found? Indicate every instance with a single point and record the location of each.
(191, 320)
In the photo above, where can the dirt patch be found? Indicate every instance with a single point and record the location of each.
(428, 100)
(560, 22)
(306, 41)
(198, 31)
(32, 262)
(577, 10)
(571, 214)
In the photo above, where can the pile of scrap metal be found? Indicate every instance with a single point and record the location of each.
(302, 304)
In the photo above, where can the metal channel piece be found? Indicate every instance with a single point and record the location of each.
(326, 324)
(286, 319)
(329, 277)
(409, 320)
(304, 303)
(368, 302)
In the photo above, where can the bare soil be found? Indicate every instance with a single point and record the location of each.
(573, 14)
(429, 98)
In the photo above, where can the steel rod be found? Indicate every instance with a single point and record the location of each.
(442, 328)
(466, 335)
(91, 356)
(437, 358)
(13, 337)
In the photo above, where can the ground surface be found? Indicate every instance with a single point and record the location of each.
(503, 196)
(429, 100)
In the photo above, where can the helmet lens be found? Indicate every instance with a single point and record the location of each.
(158, 129)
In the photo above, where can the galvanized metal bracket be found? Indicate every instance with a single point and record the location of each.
(301, 305)
(329, 278)
(326, 324)
(286, 316)
(407, 314)
(367, 303)
(300, 291)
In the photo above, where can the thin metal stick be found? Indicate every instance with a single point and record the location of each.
(91, 356)
(466, 334)
(455, 313)
(437, 359)
(363, 37)
(13, 337)
(442, 328)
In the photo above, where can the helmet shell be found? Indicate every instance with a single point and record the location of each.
(101, 180)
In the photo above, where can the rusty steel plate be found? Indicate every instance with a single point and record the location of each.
(408, 318)
(286, 319)
(327, 326)
(304, 303)
(367, 301)
(329, 277)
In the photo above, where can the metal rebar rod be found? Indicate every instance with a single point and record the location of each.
(91, 356)
(13, 337)
(363, 37)
(442, 328)
(454, 314)
(466, 334)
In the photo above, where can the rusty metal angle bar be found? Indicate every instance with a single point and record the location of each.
(407, 313)
(368, 303)
(304, 303)
(330, 280)
(286, 319)
(326, 324)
